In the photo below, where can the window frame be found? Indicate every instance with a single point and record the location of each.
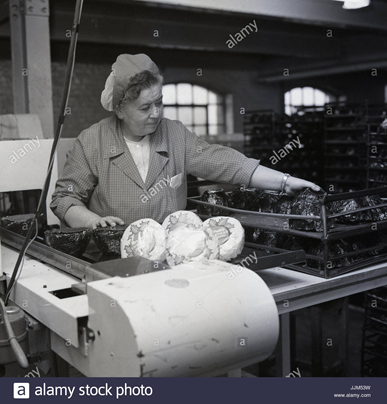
(291, 109)
(220, 127)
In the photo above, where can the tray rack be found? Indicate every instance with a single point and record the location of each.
(374, 342)
(325, 265)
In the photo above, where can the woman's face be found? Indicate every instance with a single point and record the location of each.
(141, 116)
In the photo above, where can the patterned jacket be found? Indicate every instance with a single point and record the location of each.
(101, 174)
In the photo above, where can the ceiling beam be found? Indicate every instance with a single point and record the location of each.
(317, 12)
(364, 45)
(193, 35)
(359, 53)
(324, 69)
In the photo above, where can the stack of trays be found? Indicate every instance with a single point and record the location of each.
(374, 344)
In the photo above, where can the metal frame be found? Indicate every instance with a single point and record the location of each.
(299, 290)
(281, 223)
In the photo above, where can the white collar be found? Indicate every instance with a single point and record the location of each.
(143, 141)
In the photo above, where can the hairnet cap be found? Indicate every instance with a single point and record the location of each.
(125, 67)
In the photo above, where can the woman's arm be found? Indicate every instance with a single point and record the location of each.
(75, 187)
(80, 216)
(266, 178)
(223, 164)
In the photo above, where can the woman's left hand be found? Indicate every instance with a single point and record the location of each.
(294, 185)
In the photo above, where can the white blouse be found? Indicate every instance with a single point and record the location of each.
(140, 152)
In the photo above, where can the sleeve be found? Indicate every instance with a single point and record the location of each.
(217, 163)
(77, 183)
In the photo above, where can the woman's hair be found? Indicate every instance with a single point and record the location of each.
(137, 83)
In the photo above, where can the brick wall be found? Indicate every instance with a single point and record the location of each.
(85, 108)
(84, 104)
(89, 80)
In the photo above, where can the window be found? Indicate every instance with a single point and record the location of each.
(306, 97)
(201, 111)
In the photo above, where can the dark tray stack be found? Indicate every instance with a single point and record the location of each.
(307, 161)
(377, 148)
(267, 135)
(259, 130)
(345, 148)
(333, 249)
(374, 344)
(349, 131)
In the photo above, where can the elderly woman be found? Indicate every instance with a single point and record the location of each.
(134, 164)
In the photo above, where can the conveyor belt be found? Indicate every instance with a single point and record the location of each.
(64, 262)
(254, 257)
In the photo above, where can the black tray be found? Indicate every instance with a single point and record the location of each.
(93, 266)
(323, 268)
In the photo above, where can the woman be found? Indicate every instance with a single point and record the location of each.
(134, 164)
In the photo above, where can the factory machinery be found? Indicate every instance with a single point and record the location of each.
(132, 316)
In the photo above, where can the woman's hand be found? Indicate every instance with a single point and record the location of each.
(267, 178)
(106, 221)
(294, 185)
(80, 216)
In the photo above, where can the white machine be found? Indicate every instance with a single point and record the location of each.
(190, 320)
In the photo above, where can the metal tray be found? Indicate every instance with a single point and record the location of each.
(282, 223)
(91, 267)
(257, 257)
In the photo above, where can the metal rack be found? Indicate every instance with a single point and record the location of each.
(345, 156)
(327, 264)
(259, 130)
(374, 343)
(377, 156)
(267, 132)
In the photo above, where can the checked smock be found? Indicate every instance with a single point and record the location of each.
(100, 172)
